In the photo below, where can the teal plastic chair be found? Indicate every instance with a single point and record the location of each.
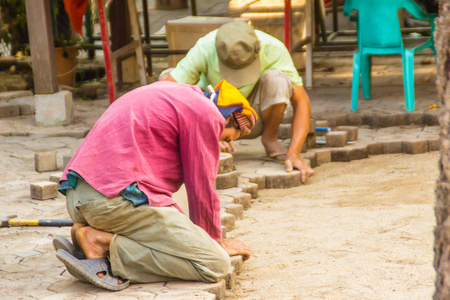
(379, 33)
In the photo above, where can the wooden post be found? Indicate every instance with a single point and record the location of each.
(41, 45)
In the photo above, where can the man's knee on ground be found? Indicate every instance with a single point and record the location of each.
(219, 268)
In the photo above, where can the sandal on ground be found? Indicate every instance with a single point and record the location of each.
(275, 157)
(61, 242)
(88, 269)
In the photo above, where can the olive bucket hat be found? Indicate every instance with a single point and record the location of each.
(238, 49)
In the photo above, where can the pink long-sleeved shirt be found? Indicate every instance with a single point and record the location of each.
(159, 136)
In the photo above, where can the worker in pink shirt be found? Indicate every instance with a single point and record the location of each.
(119, 187)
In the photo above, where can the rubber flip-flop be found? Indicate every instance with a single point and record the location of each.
(88, 269)
(61, 242)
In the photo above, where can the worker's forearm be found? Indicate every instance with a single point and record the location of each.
(300, 121)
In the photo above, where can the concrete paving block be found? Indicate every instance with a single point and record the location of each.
(340, 154)
(45, 161)
(26, 108)
(312, 157)
(55, 177)
(323, 155)
(311, 140)
(383, 120)
(5, 133)
(357, 152)
(217, 288)
(415, 146)
(54, 109)
(224, 232)
(227, 220)
(227, 180)
(237, 262)
(375, 148)
(304, 147)
(20, 133)
(236, 210)
(66, 160)
(312, 126)
(250, 188)
(414, 117)
(238, 196)
(230, 278)
(337, 120)
(392, 147)
(75, 133)
(15, 94)
(434, 144)
(369, 119)
(44, 190)
(90, 88)
(284, 131)
(259, 179)
(355, 119)
(280, 179)
(336, 138)
(226, 163)
(9, 110)
(181, 295)
(322, 123)
(430, 118)
(352, 132)
(225, 199)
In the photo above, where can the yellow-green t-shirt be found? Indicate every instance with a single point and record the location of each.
(201, 64)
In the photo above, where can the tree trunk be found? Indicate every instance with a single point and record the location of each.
(442, 207)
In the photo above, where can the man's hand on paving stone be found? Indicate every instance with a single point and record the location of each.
(293, 161)
(235, 246)
(227, 147)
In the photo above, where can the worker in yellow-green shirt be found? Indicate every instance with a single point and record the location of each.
(262, 69)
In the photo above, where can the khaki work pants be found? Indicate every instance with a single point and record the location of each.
(150, 244)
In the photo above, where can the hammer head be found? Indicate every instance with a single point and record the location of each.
(5, 222)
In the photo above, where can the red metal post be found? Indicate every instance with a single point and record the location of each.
(106, 49)
(287, 24)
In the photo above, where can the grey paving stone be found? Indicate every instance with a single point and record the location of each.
(20, 133)
(237, 210)
(26, 109)
(383, 120)
(414, 117)
(227, 180)
(90, 88)
(5, 133)
(280, 179)
(312, 157)
(352, 132)
(355, 119)
(337, 120)
(375, 148)
(369, 119)
(323, 155)
(415, 147)
(259, 179)
(434, 144)
(9, 110)
(44, 190)
(392, 147)
(322, 123)
(312, 126)
(217, 288)
(340, 154)
(224, 232)
(226, 163)
(250, 188)
(237, 262)
(45, 161)
(225, 199)
(431, 118)
(357, 152)
(55, 177)
(78, 133)
(238, 196)
(230, 278)
(284, 131)
(336, 138)
(66, 160)
(15, 94)
(311, 140)
(227, 220)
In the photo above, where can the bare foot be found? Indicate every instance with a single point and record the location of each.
(93, 242)
(73, 232)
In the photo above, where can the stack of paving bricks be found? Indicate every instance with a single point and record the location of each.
(16, 103)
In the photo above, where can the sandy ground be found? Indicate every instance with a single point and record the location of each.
(357, 230)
